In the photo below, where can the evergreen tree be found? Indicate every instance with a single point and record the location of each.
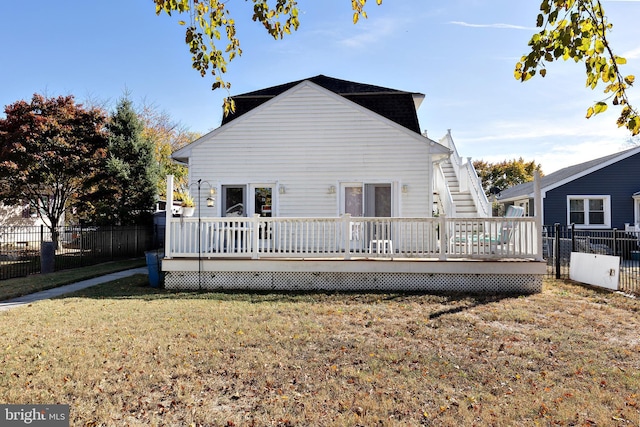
(131, 168)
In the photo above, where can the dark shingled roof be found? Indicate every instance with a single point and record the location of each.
(395, 105)
(558, 176)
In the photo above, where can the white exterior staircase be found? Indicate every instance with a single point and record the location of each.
(458, 191)
(463, 201)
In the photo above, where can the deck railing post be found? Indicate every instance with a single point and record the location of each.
(537, 205)
(255, 236)
(168, 217)
(346, 229)
(442, 223)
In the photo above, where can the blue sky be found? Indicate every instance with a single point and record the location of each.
(459, 53)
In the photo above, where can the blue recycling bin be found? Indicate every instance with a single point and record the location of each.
(154, 265)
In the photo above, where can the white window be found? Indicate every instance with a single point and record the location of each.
(364, 199)
(525, 206)
(236, 202)
(589, 211)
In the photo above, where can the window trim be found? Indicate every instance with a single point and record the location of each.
(274, 197)
(395, 208)
(586, 197)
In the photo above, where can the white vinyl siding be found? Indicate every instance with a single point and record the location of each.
(308, 141)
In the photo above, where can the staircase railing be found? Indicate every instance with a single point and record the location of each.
(445, 199)
(455, 158)
(475, 188)
(467, 177)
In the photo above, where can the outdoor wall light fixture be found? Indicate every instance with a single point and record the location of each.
(281, 189)
(332, 189)
(405, 189)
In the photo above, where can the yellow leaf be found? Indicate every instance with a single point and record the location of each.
(600, 107)
(355, 17)
(590, 112)
(620, 60)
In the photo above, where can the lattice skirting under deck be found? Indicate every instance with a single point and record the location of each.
(346, 281)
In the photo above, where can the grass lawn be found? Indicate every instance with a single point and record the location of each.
(19, 286)
(125, 354)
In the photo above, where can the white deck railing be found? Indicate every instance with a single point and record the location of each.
(349, 237)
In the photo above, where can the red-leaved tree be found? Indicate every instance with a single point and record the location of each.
(51, 150)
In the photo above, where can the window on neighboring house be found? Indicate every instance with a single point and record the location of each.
(589, 211)
(525, 206)
(29, 211)
(26, 211)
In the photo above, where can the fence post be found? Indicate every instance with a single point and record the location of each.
(557, 248)
(615, 241)
(41, 233)
(111, 242)
(573, 237)
(81, 244)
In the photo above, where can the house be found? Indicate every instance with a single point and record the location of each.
(307, 175)
(600, 194)
(325, 147)
(19, 228)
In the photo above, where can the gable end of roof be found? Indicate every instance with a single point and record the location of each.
(396, 105)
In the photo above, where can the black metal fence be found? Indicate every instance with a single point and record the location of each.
(560, 240)
(75, 246)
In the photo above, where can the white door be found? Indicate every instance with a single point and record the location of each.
(367, 200)
(261, 203)
(234, 200)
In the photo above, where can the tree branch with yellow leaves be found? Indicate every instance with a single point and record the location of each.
(210, 22)
(577, 29)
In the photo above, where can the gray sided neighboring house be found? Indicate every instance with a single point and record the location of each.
(600, 194)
